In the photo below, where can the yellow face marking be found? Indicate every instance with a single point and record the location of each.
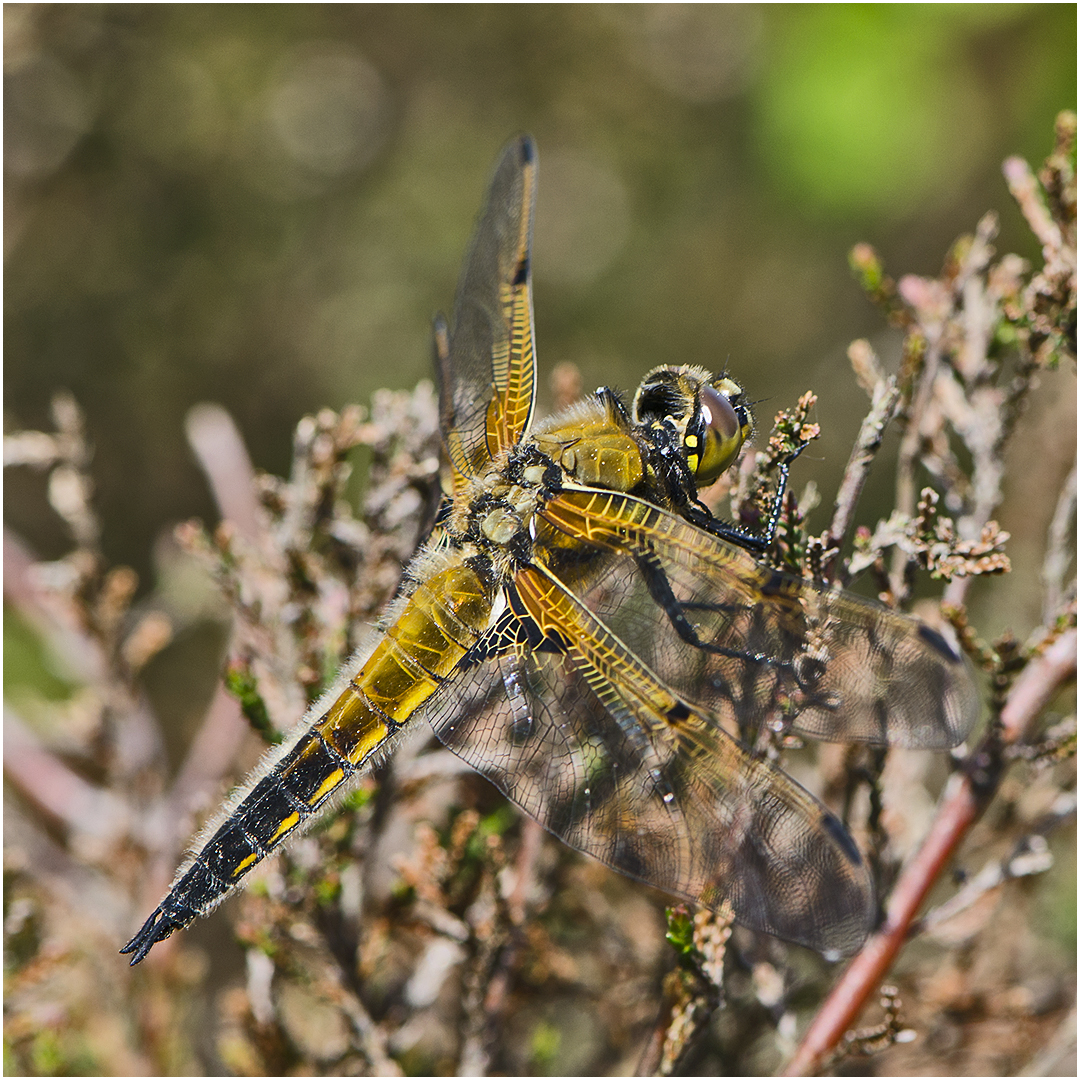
(327, 785)
(285, 826)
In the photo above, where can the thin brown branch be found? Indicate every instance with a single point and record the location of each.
(208, 759)
(1025, 189)
(532, 836)
(965, 798)
(51, 615)
(910, 446)
(87, 894)
(91, 812)
(371, 1037)
(1031, 856)
(475, 1057)
(198, 784)
(1058, 553)
(223, 457)
(885, 401)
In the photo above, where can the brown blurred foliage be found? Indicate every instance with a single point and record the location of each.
(425, 927)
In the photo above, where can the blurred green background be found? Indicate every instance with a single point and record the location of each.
(264, 205)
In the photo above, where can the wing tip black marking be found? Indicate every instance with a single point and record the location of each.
(938, 642)
(526, 146)
(842, 837)
(521, 275)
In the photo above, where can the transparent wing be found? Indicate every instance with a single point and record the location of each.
(584, 738)
(486, 362)
(752, 645)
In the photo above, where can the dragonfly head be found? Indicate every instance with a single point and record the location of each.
(708, 412)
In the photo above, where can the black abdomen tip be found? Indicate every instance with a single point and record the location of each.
(157, 928)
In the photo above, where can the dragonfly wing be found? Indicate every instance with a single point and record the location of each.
(486, 362)
(585, 739)
(752, 644)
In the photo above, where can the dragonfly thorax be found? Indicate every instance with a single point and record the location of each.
(496, 510)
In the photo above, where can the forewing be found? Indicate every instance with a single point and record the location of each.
(754, 645)
(486, 362)
(588, 742)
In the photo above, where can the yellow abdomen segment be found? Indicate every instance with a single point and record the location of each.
(441, 620)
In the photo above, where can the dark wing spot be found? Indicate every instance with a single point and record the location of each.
(629, 861)
(776, 585)
(881, 717)
(843, 838)
(936, 641)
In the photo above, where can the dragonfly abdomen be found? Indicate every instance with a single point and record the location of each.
(440, 622)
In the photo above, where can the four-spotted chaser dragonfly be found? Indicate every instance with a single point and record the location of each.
(582, 631)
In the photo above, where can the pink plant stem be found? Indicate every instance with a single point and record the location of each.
(961, 805)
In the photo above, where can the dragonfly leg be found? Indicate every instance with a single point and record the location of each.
(660, 590)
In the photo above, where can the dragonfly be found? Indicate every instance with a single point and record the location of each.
(584, 632)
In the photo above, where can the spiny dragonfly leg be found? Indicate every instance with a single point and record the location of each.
(660, 590)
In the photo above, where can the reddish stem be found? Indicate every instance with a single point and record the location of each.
(960, 807)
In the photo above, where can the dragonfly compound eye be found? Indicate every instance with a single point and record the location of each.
(723, 432)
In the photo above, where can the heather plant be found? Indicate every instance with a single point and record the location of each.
(426, 926)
